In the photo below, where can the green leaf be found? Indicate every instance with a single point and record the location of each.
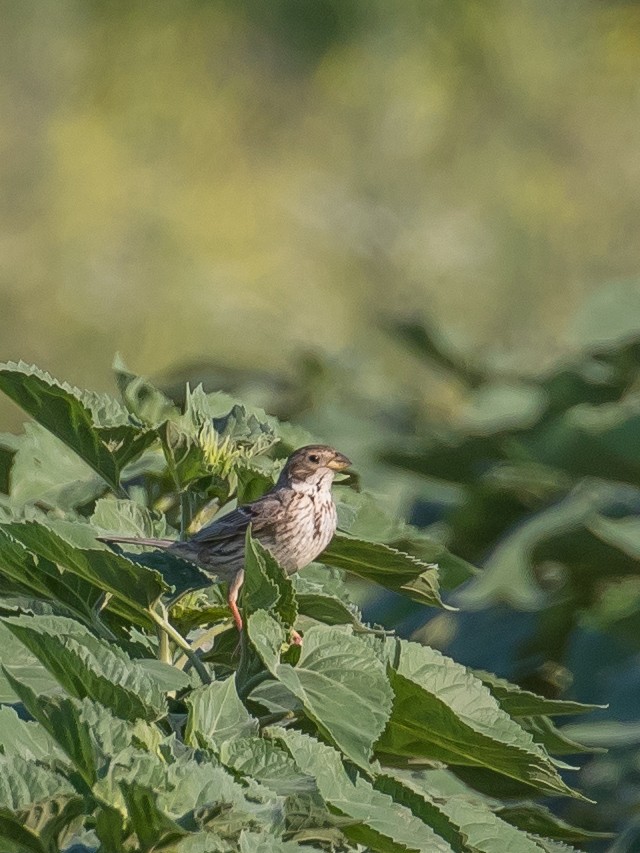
(86, 666)
(522, 703)
(442, 712)
(266, 585)
(62, 720)
(534, 818)
(381, 824)
(39, 578)
(485, 831)
(328, 609)
(386, 566)
(25, 739)
(131, 583)
(554, 740)
(259, 759)
(23, 783)
(422, 806)
(338, 679)
(153, 828)
(97, 428)
(142, 398)
(363, 516)
(128, 518)
(24, 666)
(217, 714)
(47, 472)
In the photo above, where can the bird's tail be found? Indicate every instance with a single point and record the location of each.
(134, 540)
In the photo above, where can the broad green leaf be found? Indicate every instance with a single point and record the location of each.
(442, 712)
(534, 818)
(381, 824)
(24, 782)
(151, 825)
(522, 703)
(275, 697)
(20, 663)
(97, 428)
(262, 760)
(46, 471)
(328, 609)
(39, 578)
(245, 430)
(88, 667)
(62, 720)
(338, 679)
(363, 516)
(266, 585)
(485, 831)
(25, 739)
(259, 591)
(111, 572)
(386, 566)
(422, 806)
(128, 518)
(216, 714)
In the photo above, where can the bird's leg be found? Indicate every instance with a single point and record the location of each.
(232, 598)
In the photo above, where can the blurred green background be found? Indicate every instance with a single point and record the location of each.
(412, 227)
(236, 181)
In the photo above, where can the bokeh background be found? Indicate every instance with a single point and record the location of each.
(414, 228)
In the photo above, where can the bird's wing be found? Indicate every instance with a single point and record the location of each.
(260, 514)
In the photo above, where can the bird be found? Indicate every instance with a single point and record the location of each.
(295, 521)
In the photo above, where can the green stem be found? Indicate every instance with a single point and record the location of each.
(278, 717)
(251, 683)
(164, 650)
(180, 641)
(209, 635)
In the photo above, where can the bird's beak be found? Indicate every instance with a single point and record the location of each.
(339, 462)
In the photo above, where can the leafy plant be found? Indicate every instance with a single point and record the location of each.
(134, 720)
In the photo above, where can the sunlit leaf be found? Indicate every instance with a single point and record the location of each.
(97, 428)
(386, 566)
(335, 672)
(381, 824)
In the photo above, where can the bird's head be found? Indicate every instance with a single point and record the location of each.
(315, 464)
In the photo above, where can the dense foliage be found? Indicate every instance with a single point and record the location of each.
(133, 720)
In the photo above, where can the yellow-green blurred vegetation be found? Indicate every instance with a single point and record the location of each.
(240, 181)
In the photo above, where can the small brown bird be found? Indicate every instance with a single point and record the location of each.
(295, 521)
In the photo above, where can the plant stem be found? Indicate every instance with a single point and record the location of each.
(180, 641)
(164, 650)
(211, 634)
(278, 717)
(251, 683)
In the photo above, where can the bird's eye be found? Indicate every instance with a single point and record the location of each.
(313, 457)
